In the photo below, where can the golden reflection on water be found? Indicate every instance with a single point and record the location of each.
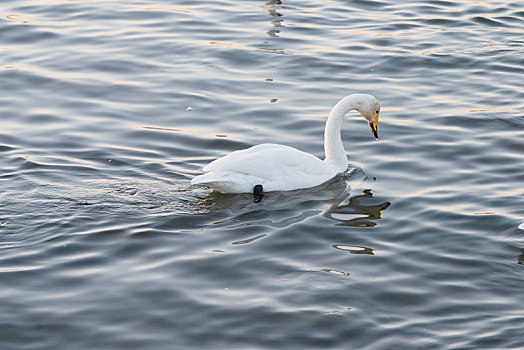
(193, 131)
(16, 269)
(68, 75)
(161, 129)
(162, 8)
(21, 19)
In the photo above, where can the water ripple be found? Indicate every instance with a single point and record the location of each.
(109, 109)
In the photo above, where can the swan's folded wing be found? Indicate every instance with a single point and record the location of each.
(270, 162)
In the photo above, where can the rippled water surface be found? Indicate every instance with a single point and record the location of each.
(109, 108)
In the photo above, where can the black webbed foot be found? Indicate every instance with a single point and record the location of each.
(257, 193)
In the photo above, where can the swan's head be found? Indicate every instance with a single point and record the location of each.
(369, 108)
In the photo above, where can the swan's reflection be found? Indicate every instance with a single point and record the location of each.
(282, 209)
(355, 212)
(271, 7)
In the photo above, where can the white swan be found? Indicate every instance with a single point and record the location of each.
(284, 168)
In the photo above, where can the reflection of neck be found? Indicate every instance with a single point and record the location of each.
(333, 147)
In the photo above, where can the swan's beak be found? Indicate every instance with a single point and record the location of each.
(374, 126)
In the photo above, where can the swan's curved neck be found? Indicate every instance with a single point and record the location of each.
(333, 147)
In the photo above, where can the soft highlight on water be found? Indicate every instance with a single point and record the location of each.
(109, 109)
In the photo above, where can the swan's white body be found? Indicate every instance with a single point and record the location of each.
(275, 167)
(284, 168)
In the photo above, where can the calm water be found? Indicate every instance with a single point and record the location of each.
(109, 108)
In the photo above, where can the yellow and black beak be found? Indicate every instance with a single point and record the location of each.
(374, 126)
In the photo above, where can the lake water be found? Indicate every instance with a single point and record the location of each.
(108, 109)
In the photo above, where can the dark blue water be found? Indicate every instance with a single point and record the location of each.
(108, 109)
